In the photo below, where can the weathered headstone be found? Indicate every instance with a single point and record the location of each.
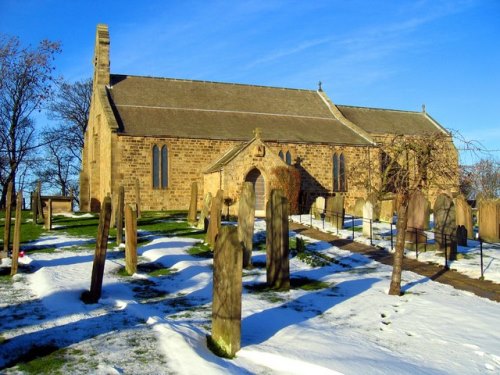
(8, 214)
(227, 288)
(445, 225)
(130, 239)
(138, 198)
(461, 235)
(418, 216)
(338, 211)
(119, 215)
(464, 215)
(215, 219)
(387, 210)
(246, 220)
(374, 198)
(319, 207)
(489, 220)
(368, 218)
(277, 247)
(203, 221)
(16, 244)
(358, 207)
(193, 210)
(101, 247)
(48, 218)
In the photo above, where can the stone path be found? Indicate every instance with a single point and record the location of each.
(482, 288)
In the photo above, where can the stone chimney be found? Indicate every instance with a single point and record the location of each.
(101, 56)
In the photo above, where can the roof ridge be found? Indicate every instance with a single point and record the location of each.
(380, 109)
(214, 82)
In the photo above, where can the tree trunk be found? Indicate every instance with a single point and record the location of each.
(397, 267)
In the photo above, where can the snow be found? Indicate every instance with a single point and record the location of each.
(158, 325)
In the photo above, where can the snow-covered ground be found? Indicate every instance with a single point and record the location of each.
(468, 261)
(158, 325)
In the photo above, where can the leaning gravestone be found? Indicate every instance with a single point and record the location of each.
(227, 288)
(215, 219)
(246, 220)
(193, 210)
(130, 239)
(445, 225)
(319, 207)
(101, 247)
(203, 221)
(489, 220)
(277, 247)
(338, 211)
(418, 216)
(368, 218)
(464, 215)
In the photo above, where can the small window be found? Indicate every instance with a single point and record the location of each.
(288, 158)
(164, 167)
(335, 172)
(280, 154)
(339, 173)
(156, 167)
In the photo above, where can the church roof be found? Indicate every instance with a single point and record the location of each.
(146, 106)
(387, 121)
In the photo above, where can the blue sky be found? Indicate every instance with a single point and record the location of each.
(395, 54)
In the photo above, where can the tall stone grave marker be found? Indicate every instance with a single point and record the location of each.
(318, 207)
(358, 207)
(203, 221)
(101, 247)
(368, 212)
(227, 288)
(16, 243)
(246, 220)
(119, 215)
(215, 219)
(8, 214)
(489, 220)
(277, 247)
(445, 225)
(464, 215)
(418, 216)
(193, 210)
(338, 213)
(48, 218)
(130, 239)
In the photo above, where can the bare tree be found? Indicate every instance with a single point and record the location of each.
(26, 83)
(485, 178)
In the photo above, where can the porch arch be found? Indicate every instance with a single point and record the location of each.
(257, 179)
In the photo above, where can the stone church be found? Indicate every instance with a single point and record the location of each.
(166, 133)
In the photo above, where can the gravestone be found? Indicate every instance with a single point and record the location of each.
(374, 198)
(246, 220)
(445, 225)
(387, 210)
(203, 221)
(101, 247)
(461, 235)
(338, 211)
(277, 247)
(119, 215)
(329, 211)
(489, 220)
(215, 219)
(319, 207)
(358, 207)
(130, 239)
(48, 218)
(368, 212)
(193, 210)
(8, 214)
(464, 215)
(418, 216)
(227, 288)
(16, 243)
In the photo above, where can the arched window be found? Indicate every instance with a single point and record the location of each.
(164, 167)
(280, 154)
(288, 159)
(156, 167)
(339, 173)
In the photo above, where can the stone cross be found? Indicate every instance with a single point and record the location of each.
(8, 214)
(203, 221)
(227, 288)
(191, 218)
(445, 225)
(246, 220)
(100, 254)
(215, 219)
(16, 245)
(277, 247)
(130, 239)
(119, 215)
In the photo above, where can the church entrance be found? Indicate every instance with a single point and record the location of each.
(256, 178)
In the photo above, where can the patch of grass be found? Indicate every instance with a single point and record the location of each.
(308, 284)
(162, 272)
(218, 348)
(201, 250)
(47, 359)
